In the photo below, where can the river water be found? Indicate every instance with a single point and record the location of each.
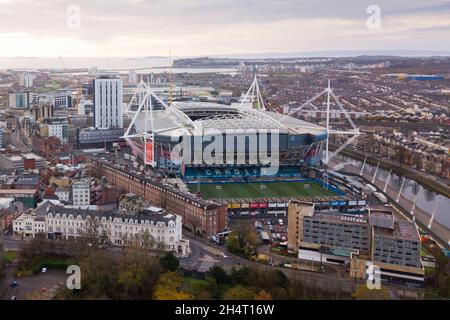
(427, 200)
(142, 65)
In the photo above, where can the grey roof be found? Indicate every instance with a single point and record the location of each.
(28, 180)
(166, 123)
(402, 229)
(143, 215)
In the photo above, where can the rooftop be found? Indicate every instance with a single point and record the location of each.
(143, 215)
(402, 229)
(342, 218)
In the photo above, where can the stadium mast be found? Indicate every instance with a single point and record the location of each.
(254, 89)
(331, 97)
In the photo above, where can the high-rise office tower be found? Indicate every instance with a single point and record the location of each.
(108, 101)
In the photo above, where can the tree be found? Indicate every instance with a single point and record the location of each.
(138, 274)
(99, 276)
(441, 273)
(219, 275)
(2, 253)
(263, 295)
(169, 288)
(364, 293)
(239, 293)
(241, 275)
(169, 262)
(242, 240)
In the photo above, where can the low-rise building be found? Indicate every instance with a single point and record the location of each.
(14, 161)
(63, 194)
(152, 228)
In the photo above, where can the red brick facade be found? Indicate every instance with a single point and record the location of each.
(203, 217)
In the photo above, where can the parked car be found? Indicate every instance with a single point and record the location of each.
(14, 284)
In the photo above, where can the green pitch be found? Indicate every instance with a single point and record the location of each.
(260, 190)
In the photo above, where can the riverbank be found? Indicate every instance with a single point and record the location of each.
(404, 171)
(422, 218)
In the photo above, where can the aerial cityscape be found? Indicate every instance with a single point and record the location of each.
(181, 168)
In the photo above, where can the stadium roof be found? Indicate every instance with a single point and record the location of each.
(194, 118)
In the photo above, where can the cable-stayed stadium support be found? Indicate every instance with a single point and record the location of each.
(331, 97)
(254, 89)
(144, 95)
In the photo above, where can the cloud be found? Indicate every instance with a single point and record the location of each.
(191, 27)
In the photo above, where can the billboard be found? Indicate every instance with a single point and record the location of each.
(149, 152)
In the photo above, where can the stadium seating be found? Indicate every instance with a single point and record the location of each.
(239, 174)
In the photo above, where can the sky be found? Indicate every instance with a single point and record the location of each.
(137, 28)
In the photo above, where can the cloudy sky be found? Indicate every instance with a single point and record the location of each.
(124, 28)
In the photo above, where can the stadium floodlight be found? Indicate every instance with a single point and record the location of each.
(331, 98)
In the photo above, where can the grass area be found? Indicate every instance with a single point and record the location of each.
(10, 256)
(195, 286)
(194, 282)
(261, 190)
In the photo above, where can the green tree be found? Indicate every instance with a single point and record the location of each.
(219, 275)
(364, 293)
(241, 275)
(169, 262)
(99, 276)
(239, 293)
(169, 288)
(138, 274)
(242, 240)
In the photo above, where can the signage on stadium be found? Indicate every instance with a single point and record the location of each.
(149, 152)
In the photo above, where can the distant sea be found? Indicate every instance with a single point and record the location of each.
(146, 64)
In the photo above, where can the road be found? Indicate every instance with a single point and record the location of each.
(332, 281)
(17, 141)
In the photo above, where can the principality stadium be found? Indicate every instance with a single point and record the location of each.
(237, 176)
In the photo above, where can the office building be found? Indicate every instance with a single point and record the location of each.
(81, 193)
(59, 128)
(108, 102)
(26, 80)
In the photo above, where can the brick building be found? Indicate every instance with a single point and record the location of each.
(205, 218)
